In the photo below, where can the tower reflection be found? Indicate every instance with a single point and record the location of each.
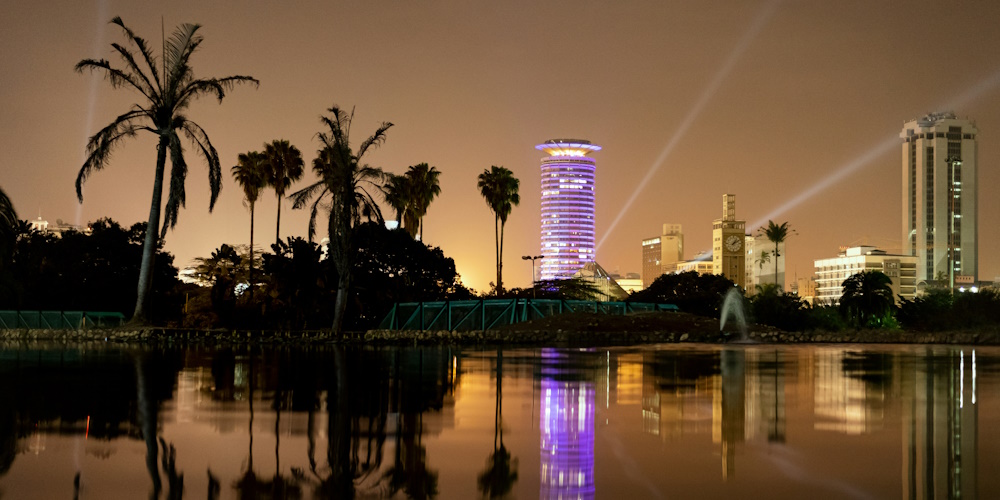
(940, 426)
(566, 423)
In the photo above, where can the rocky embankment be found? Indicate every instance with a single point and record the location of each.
(567, 329)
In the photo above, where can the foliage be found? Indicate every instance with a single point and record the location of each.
(771, 306)
(282, 167)
(392, 267)
(499, 188)
(81, 272)
(348, 184)
(938, 309)
(700, 294)
(9, 224)
(166, 92)
(424, 187)
(250, 173)
(867, 299)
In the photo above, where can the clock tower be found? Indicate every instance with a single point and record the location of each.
(728, 237)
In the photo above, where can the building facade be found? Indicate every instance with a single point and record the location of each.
(661, 251)
(831, 273)
(940, 162)
(728, 241)
(567, 225)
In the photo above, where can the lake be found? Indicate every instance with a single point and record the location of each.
(94, 420)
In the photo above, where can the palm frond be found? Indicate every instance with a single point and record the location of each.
(302, 196)
(178, 173)
(177, 50)
(115, 76)
(147, 54)
(147, 89)
(200, 138)
(103, 143)
(375, 140)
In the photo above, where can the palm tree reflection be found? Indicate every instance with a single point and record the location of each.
(501, 470)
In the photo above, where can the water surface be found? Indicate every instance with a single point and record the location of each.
(690, 421)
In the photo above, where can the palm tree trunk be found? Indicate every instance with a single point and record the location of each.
(277, 227)
(141, 314)
(250, 279)
(496, 248)
(776, 257)
(500, 260)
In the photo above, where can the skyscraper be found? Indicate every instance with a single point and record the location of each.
(939, 197)
(567, 206)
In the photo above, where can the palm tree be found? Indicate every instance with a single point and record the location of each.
(249, 173)
(424, 187)
(396, 191)
(167, 89)
(9, 224)
(500, 474)
(867, 298)
(283, 167)
(499, 187)
(348, 184)
(776, 234)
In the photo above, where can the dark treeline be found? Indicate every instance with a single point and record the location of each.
(867, 303)
(85, 272)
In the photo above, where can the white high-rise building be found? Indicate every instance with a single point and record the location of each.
(568, 176)
(940, 197)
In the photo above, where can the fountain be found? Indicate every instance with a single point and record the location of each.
(732, 306)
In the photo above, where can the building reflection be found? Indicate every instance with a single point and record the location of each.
(566, 423)
(940, 426)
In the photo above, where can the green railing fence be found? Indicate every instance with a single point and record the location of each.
(59, 320)
(484, 314)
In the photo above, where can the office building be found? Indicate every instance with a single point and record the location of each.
(728, 239)
(661, 251)
(567, 210)
(940, 163)
(831, 273)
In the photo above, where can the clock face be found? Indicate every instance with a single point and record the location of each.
(733, 243)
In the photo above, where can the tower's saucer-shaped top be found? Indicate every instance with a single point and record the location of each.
(567, 147)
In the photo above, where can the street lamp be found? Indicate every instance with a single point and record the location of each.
(532, 258)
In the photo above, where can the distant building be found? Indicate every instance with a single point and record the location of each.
(940, 164)
(805, 288)
(57, 229)
(567, 225)
(698, 265)
(631, 282)
(728, 240)
(831, 273)
(661, 251)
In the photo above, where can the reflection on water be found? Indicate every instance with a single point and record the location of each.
(710, 421)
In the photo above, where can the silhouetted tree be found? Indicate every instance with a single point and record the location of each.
(867, 299)
(284, 166)
(166, 91)
(499, 188)
(776, 233)
(250, 174)
(700, 294)
(348, 184)
(424, 187)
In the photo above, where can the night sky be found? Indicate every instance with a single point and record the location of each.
(793, 106)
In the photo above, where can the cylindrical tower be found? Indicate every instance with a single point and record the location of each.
(567, 206)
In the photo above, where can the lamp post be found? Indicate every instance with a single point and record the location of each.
(532, 258)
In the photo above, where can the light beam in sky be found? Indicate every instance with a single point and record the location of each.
(710, 90)
(982, 87)
(95, 80)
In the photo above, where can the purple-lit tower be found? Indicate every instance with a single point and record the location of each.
(567, 206)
